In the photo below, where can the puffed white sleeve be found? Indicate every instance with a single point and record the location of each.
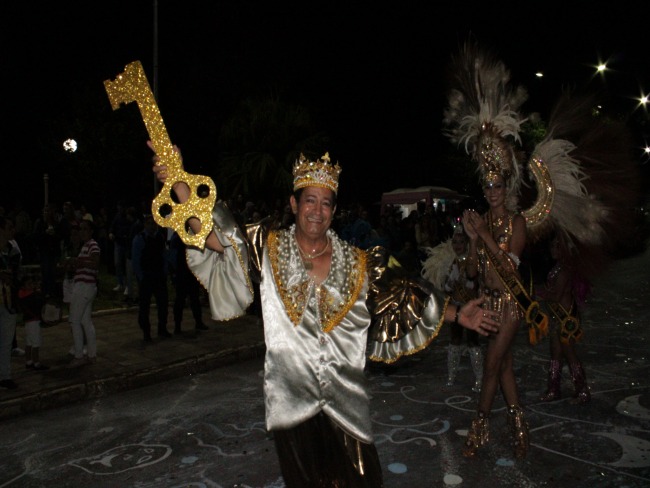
(224, 275)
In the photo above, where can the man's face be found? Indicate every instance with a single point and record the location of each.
(314, 211)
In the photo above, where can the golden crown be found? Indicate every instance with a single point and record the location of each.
(319, 173)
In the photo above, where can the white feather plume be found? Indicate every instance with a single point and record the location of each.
(436, 267)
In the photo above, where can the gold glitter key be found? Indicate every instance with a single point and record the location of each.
(132, 86)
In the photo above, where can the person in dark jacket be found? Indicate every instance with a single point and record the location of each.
(186, 284)
(149, 260)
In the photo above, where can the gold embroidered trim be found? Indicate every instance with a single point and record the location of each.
(355, 282)
(422, 346)
(347, 274)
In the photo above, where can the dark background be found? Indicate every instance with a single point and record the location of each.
(371, 77)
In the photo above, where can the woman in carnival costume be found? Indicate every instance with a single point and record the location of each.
(445, 267)
(496, 241)
(583, 177)
(563, 294)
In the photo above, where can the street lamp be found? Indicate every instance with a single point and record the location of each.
(70, 145)
(46, 188)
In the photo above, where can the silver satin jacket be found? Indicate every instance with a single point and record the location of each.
(316, 335)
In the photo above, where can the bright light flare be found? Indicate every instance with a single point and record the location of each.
(539, 74)
(70, 145)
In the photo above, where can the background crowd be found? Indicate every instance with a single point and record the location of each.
(48, 238)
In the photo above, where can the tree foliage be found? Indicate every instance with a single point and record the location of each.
(259, 145)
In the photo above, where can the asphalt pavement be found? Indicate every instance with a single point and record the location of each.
(124, 360)
(419, 423)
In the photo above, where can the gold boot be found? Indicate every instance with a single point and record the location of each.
(519, 428)
(477, 436)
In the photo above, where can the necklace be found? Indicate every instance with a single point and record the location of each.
(308, 258)
(498, 221)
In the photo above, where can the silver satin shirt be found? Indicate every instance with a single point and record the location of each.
(306, 368)
(316, 336)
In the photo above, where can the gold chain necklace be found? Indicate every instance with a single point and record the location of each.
(310, 257)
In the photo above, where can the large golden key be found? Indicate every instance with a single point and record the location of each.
(132, 86)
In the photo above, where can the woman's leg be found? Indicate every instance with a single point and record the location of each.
(578, 375)
(553, 391)
(87, 321)
(77, 306)
(494, 372)
(497, 369)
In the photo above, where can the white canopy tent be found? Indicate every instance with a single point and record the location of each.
(407, 199)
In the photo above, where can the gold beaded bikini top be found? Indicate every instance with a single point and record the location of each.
(502, 239)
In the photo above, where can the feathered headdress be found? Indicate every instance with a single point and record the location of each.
(483, 116)
(583, 172)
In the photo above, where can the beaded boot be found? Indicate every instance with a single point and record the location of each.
(453, 360)
(477, 436)
(579, 379)
(476, 358)
(519, 428)
(553, 391)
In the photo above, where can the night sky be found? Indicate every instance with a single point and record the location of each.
(370, 75)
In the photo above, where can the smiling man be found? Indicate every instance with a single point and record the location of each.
(314, 291)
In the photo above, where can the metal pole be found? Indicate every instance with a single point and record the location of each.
(46, 188)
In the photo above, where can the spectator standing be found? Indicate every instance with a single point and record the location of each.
(84, 291)
(8, 281)
(70, 250)
(119, 235)
(31, 302)
(16, 258)
(150, 268)
(47, 240)
(23, 230)
(135, 229)
(186, 284)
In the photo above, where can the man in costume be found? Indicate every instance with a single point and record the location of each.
(314, 290)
